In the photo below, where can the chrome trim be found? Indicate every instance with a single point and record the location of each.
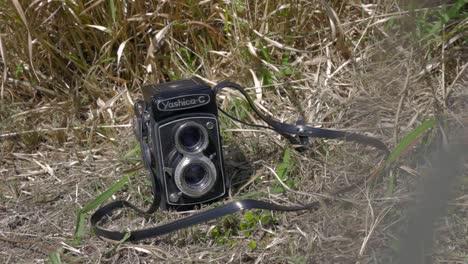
(201, 144)
(206, 183)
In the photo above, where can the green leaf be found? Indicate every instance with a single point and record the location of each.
(243, 226)
(105, 195)
(283, 169)
(454, 11)
(252, 245)
(133, 153)
(290, 183)
(249, 216)
(19, 70)
(277, 190)
(215, 232)
(266, 219)
(285, 165)
(265, 54)
(409, 140)
(109, 59)
(267, 77)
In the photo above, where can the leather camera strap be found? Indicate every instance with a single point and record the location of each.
(299, 130)
(297, 134)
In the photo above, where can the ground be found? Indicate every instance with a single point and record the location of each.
(72, 70)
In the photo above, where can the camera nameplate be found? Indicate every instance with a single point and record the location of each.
(183, 102)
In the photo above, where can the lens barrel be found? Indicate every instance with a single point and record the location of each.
(195, 175)
(191, 138)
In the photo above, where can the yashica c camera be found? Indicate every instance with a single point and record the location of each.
(177, 125)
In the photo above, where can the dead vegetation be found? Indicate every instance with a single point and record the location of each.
(70, 71)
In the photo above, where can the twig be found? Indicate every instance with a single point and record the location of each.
(375, 223)
(277, 44)
(338, 34)
(31, 86)
(403, 93)
(5, 71)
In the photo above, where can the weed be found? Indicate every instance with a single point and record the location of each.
(134, 153)
(19, 70)
(54, 257)
(252, 244)
(252, 219)
(80, 221)
(284, 170)
(437, 25)
(409, 141)
(223, 231)
(230, 226)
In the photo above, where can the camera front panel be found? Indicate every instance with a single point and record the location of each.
(192, 162)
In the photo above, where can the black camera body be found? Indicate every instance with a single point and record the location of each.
(177, 124)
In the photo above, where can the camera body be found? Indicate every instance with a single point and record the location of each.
(181, 143)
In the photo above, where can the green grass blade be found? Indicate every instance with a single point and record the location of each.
(105, 195)
(134, 153)
(79, 229)
(283, 169)
(285, 165)
(409, 140)
(126, 237)
(54, 258)
(116, 245)
(112, 9)
(80, 221)
(454, 11)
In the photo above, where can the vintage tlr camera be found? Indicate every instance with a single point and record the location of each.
(177, 125)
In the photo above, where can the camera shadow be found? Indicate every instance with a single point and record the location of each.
(238, 169)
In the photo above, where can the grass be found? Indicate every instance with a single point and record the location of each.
(94, 204)
(71, 70)
(284, 170)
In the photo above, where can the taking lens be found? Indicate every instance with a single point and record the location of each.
(191, 138)
(194, 174)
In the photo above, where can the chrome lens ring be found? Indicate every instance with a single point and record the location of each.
(186, 176)
(191, 138)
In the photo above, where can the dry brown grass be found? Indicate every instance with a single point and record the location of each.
(71, 70)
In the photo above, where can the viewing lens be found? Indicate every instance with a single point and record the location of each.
(190, 137)
(194, 174)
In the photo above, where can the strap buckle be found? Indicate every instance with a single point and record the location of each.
(304, 142)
